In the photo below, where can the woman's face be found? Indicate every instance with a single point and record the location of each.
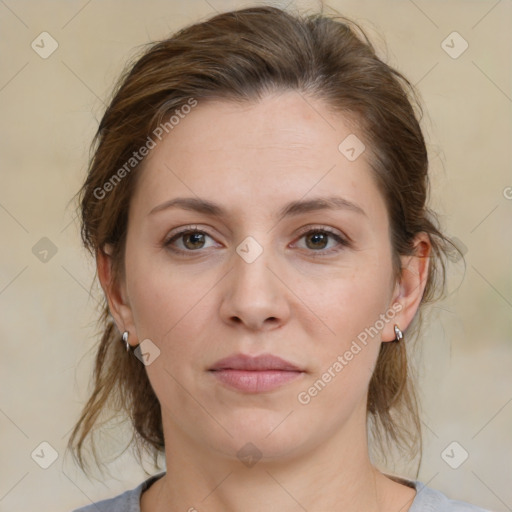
(246, 279)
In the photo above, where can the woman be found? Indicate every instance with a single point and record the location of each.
(256, 205)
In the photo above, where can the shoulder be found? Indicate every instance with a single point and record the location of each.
(128, 501)
(431, 500)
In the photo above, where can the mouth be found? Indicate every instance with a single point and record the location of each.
(255, 374)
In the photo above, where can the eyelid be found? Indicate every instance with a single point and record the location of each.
(183, 229)
(319, 227)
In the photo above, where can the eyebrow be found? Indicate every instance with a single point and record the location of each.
(290, 209)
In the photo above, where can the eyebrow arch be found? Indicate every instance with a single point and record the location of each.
(291, 209)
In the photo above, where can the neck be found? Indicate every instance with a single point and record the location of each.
(335, 475)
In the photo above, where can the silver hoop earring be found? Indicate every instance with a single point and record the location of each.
(125, 339)
(399, 335)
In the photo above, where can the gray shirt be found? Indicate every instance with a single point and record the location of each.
(426, 500)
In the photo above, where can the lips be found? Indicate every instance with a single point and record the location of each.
(258, 374)
(257, 363)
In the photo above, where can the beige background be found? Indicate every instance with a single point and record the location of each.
(50, 109)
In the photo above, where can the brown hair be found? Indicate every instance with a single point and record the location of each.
(240, 56)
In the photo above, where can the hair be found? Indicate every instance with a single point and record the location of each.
(241, 56)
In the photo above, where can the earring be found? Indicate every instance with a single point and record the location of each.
(125, 339)
(399, 335)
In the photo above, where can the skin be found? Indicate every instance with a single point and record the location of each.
(209, 303)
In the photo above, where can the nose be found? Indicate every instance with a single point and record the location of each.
(254, 294)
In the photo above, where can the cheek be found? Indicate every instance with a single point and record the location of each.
(172, 312)
(163, 299)
(349, 301)
(347, 354)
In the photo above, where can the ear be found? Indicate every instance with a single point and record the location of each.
(409, 290)
(115, 293)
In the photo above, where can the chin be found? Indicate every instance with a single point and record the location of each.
(259, 433)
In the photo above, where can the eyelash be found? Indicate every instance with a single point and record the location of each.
(307, 231)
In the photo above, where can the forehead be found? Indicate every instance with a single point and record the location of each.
(281, 148)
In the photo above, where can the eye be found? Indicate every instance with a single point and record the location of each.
(317, 240)
(191, 238)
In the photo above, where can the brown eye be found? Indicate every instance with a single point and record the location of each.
(193, 240)
(318, 240)
(187, 240)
